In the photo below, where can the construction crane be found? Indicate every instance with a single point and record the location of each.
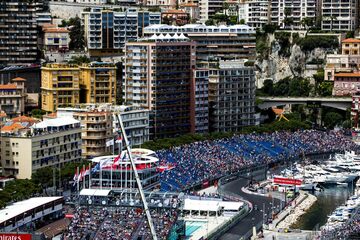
(143, 199)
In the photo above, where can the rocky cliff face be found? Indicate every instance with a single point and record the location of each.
(276, 67)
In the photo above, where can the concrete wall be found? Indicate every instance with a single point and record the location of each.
(67, 10)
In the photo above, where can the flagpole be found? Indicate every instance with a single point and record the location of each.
(77, 179)
(111, 172)
(89, 175)
(138, 181)
(100, 176)
(84, 177)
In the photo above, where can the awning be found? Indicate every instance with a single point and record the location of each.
(95, 192)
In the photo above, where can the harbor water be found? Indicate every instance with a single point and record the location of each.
(327, 201)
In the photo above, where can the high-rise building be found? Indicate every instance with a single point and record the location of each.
(208, 8)
(200, 101)
(50, 143)
(106, 31)
(158, 76)
(340, 15)
(231, 97)
(214, 43)
(255, 13)
(96, 131)
(18, 32)
(98, 83)
(68, 84)
(290, 13)
(60, 86)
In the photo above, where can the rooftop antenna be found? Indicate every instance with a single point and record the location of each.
(143, 199)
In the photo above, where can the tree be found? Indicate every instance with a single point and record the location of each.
(350, 34)
(307, 22)
(77, 40)
(209, 22)
(79, 60)
(332, 119)
(242, 21)
(288, 21)
(268, 87)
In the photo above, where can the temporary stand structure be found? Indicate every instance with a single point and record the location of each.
(143, 199)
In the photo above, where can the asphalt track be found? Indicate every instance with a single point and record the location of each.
(255, 216)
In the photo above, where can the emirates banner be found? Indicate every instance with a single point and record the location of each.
(14, 236)
(287, 181)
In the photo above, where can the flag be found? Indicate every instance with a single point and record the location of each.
(110, 143)
(96, 168)
(87, 171)
(119, 139)
(165, 168)
(76, 177)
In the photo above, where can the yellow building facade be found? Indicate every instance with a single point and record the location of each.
(64, 85)
(98, 83)
(60, 86)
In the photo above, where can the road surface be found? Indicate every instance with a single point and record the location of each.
(255, 216)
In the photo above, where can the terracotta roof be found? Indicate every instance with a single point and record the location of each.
(19, 79)
(8, 86)
(357, 74)
(12, 127)
(56, 30)
(48, 25)
(351, 40)
(174, 11)
(24, 119)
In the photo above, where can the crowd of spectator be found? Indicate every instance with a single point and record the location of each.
(118, 223)
(344, 231)
(197, 162)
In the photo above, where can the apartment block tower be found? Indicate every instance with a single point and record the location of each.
(231, 97)
(214, 43)
(340, 15)
(296, 10)
(64, 85)
(18, 32)
(255, 13)
(98, 83)
(60, 86)
(106, 31)
(158, 76)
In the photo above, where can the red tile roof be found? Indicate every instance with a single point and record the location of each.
(351, 40)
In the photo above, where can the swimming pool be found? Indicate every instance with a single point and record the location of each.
(191, 227)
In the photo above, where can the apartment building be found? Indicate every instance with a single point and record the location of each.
(255, 13)
(98, 83)
(97, 129)
(208, 8)
(18, 33)
(50, 143)
(213, 43)
(164, 4)
(56, 39)
(13, 97)
(296, 10)
(192, 9)
(136, 123)
(60, 86)
(68, 84)
(346, 84)
(135, 120)
(231, 97)
(158, 77)
(346, 62)
(340, 15)
(200, 101)
(106, 31)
